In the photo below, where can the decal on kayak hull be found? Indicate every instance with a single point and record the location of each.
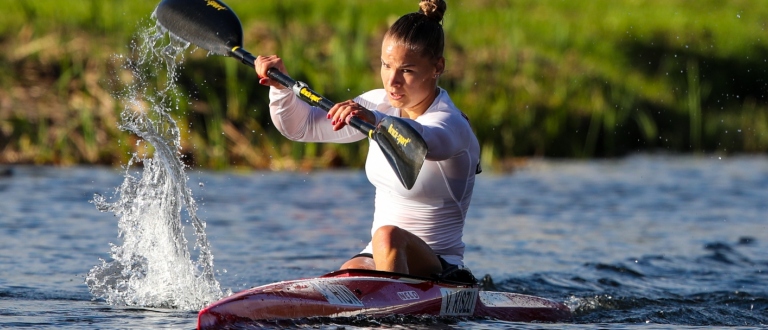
(408, 295)
(338, 295)
(458, 301)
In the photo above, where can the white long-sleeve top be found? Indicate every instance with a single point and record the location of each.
(436, 207)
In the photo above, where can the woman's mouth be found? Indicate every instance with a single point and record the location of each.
(395, 96)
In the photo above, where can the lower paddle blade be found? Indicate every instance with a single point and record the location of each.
(403, 147)
(209, 24)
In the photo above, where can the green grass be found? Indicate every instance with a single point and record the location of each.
(537, 78)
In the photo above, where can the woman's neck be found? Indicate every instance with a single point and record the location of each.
(420, 108)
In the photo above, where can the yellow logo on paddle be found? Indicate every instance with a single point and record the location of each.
(312, 97)
(401, 140)
(216, 5)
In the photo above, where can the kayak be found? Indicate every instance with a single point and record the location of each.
(355, 292)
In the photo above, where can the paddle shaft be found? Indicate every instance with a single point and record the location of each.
(301, 90)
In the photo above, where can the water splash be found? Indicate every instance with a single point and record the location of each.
(154, 267)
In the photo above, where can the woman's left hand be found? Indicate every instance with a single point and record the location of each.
(342, 113)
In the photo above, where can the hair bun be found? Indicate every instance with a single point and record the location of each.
(434, 9)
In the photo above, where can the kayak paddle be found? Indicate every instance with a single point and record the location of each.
(212, 25)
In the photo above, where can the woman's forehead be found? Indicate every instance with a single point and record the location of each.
(397, 51)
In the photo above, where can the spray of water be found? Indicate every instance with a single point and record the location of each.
(154, 267)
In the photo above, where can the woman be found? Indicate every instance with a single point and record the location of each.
(417, 231)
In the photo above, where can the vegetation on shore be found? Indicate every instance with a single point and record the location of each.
(537, 78)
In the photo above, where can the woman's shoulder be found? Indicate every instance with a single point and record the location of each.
(378, 94)
(444, 107)
(375, 97)
(373, 100)
(444, 101)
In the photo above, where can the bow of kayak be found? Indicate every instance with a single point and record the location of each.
(347, 293)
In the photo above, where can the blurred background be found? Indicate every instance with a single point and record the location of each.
(556, 79)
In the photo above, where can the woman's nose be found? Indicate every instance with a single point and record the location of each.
(393, 79)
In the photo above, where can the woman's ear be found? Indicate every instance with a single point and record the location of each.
(440, 66)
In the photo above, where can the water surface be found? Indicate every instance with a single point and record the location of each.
(642, 242)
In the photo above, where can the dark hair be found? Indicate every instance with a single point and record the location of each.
(422, 31)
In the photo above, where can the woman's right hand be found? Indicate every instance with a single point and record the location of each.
(341, 114)
(263, 64)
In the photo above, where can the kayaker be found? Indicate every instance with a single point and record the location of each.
(417, 231)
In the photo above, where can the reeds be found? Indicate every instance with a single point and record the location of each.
(536, 78)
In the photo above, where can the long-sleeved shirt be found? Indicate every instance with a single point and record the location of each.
(436, 207)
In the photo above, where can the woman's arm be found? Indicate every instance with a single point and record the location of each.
(298, 121)
(446, 133)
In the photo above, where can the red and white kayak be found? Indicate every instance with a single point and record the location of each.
(347, 293)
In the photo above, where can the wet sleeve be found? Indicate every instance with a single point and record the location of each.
(299, 121)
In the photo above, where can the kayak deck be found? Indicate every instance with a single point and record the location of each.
(354, 292)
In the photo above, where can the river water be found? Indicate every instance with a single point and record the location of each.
(641, 242)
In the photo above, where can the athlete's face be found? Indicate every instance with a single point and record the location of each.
(409, 78)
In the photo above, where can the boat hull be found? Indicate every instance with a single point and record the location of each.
(361, 292)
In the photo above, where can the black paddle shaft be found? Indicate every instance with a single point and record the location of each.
(301, 89)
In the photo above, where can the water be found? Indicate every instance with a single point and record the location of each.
(153, 266)
(643, 242)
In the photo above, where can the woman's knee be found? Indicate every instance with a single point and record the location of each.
(388, 235)
(359, 263)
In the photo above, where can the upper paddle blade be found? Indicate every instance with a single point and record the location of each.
(209, 24)
(403, 147)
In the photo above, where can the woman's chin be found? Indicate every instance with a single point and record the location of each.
(397, 103)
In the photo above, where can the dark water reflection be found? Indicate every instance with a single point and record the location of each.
(643, 242)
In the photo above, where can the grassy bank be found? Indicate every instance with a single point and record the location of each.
(537, 78)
